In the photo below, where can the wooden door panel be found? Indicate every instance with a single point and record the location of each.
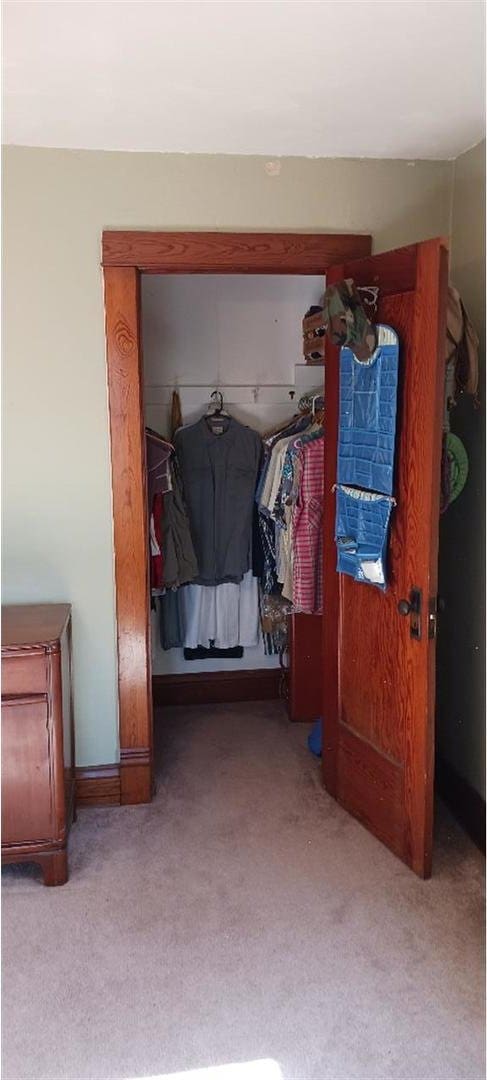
(379, 680)
(370, 706)
(371, 787)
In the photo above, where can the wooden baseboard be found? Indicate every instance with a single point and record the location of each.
(462, 799)
(215, 687)
(135, 775)
(98, 785)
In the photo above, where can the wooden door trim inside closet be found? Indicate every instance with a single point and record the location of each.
(125, 255)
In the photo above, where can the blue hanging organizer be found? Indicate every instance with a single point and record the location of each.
(362, 524)
(366, 446)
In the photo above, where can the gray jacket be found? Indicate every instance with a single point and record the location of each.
(219, 474)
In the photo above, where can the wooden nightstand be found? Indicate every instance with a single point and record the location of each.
(37, 737)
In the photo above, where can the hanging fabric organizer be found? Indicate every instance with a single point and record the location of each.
(366, 447)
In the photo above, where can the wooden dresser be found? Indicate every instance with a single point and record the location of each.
(37, 737)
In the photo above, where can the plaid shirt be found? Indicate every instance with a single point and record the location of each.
(308, 530)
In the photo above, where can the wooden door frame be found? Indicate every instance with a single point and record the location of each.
(125, 256)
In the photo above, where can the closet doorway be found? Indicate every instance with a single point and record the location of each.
(378, 748)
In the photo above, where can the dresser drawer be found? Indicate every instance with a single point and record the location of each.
(24, 673)
(27, 797)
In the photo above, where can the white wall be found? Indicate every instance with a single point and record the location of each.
(240, 333)
(57, 520)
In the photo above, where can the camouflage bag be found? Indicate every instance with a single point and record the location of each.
(346, 321)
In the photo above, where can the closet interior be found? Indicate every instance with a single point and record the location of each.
(233, 411)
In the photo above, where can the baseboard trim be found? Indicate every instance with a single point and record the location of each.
(135, 775)
(133, 756)
(216, 687)
(463, 800)
(97, 785)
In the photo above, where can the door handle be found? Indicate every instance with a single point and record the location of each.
(412, 607)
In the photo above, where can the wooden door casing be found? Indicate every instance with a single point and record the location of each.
(125, 254)
(378, 758)
(124, 363)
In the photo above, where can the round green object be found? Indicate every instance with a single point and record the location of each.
(458, 461)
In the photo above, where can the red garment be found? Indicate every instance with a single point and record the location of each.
(307, 526)
(156, 560)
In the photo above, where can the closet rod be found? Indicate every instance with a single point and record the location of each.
(225, 386)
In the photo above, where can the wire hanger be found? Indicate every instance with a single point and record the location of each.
(317, 409)
(215, 408)
(217, 396)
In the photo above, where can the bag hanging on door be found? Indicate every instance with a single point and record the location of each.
(346, 321)
(361, 532)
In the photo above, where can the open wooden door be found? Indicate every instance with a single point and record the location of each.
(379, 669)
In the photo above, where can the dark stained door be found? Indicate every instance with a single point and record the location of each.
(379, 676)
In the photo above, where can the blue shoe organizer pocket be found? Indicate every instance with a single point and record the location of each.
(367, 423)
(361, 533)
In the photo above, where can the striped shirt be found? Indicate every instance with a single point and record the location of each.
(308, 530)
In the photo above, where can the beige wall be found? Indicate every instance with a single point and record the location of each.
(461, 652)
(57, 510)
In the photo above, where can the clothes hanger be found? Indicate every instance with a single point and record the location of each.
(283, 425)
(216, 396)
(317, 410)
(218, 412)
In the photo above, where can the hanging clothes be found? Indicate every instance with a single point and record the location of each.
(461, 346)
(222, 616)
(176, 413)
(155, 538)
(171, 630)
(266, 488)
(226, 615)
(208, 554)
(289, 496)
(461, 377)
(308, 530)
(159, 484)
(219, 474)
(180, 564)
(157, 454)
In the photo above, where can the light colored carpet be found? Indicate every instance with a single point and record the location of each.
(243, 918)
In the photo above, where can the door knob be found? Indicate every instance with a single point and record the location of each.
(412, 607)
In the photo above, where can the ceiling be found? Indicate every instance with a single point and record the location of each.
(333, 78)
